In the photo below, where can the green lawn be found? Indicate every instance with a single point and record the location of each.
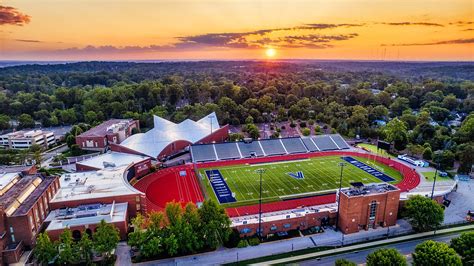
(320, 174)
(430, 176)
(373, 148)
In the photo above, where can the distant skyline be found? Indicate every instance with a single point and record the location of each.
(428, 30)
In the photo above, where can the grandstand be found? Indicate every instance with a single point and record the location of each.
(267, 147)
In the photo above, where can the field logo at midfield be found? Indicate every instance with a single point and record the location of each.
(297, 175)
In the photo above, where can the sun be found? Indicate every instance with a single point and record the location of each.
(270, 52)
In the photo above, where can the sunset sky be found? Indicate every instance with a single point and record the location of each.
(231, 29)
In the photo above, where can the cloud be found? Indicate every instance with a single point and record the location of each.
(462, 23)
(322, 26)
(456, 41)
(406, 23)
(26, 40)
(11, 16)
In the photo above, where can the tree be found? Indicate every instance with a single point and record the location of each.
(423, 213)
(427, 153)
(105, 238)
(306, 131)
(465, 154)
(217, 224)
(66, 247)
(4, 122)
(396, 131)
(435, 253)
(344, 262)
(45, 250)
(85, 247)
(386, 256)
(26, 121)
(464, 246)
(444, 158)
(253, 131)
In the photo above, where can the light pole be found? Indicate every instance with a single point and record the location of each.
(435, 175)
(210, 118)
(341, 164)
(260, 171)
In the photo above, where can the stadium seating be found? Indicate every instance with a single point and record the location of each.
(309, 144)
(273, 147)
(227, 151)
(203, 153)
(325, 143)
(339, 141)
(248, 148)
(294, 145)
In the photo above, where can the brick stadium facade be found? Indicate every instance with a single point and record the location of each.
(376, 206)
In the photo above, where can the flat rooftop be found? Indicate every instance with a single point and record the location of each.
(93, 184)
(86, 214)
(283, 215)
(112, 159)
(368, 189)
(101, 130)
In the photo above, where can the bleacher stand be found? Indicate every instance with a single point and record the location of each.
(273, 147)
(340, 142)
(325, 143)
(294, 145)
(266, 147)
(227, 151)
(309, 144)
(203, 153)
(247, 149)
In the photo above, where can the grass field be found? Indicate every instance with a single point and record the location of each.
(320, 174)
(430, 176)
(373, 148)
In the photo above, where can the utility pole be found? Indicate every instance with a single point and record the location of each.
(436, 174)
(260, 171)
(341, 164)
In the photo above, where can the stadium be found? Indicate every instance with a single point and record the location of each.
(296, 172)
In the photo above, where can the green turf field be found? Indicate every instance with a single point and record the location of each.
(320, 174)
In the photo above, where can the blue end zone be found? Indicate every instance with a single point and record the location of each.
(297, 175)
(220, 187)
(368, 169)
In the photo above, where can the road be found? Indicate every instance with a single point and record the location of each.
(406, 248)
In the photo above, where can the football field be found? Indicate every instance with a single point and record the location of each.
(238, 185)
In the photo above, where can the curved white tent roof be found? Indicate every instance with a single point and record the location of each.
(165, 132)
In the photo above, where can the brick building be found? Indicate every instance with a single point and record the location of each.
(112, 131)
(368, 206)
(104, 186)
(85, 219)
(24, 205)
(282, 221)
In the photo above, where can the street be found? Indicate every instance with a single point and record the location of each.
(406, 248)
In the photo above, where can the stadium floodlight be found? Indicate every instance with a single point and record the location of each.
(341, 164)
(260, 171)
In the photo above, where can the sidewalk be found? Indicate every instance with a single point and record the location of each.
(365, 245)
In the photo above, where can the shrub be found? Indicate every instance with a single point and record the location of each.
(254, 241)
(243, 243)
(306, 131)
(303, 124)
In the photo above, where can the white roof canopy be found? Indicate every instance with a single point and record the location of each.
(165, 132)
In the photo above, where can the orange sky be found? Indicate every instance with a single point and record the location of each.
(231, 29)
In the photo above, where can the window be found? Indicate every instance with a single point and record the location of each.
(373, 210)
(32, 225)
(37, 218)
(273, 228)
(245, 230)
(287, 225)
